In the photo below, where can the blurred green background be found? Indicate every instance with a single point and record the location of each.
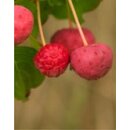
(70, 102)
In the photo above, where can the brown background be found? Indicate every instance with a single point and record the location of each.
(69, 101)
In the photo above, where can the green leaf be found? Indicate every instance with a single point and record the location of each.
(34, 43)
(56, 2)
(87, 5)
(45, 11)
(26, 75)
(59, 8)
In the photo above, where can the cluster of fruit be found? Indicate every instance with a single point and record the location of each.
(90, 61)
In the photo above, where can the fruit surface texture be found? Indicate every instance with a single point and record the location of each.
(52, 59)
(70, 38)
(92, 62)
(23, 23)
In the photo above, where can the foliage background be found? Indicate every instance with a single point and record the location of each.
(69, 101)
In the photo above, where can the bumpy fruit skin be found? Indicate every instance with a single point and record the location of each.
(23, 23)
(71, 38)
(92, 62)
(52, 60)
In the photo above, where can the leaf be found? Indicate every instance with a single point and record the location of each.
(34, 43)
(59, 8)
(26, 75)
(56, 2)
(45, 11)
(88, 5)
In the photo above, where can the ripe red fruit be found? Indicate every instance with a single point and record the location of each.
(23, 23)
(71, 38)
(92, 62)
(52, 60)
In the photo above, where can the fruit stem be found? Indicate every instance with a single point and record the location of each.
(39, 23)
(68, 15)
(77, 23)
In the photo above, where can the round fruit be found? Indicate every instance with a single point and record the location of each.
(23, 23)
(71, 38)
(52, 59)
(92, 62)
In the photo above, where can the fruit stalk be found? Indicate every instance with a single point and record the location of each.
(39, 23)
(77, 22)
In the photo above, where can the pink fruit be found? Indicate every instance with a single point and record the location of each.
(23, 23)
(52, 60)
(92, 62)
(71, 38)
